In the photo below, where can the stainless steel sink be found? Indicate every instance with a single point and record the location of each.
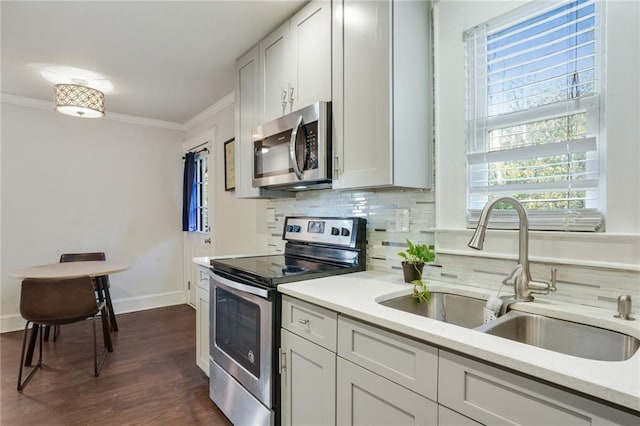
(567, 337)
(451, 308)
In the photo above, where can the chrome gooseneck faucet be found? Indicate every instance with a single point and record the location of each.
(523, 284)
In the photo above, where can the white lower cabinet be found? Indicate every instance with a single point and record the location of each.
(365, 398)
(494, 396)
(202, 325)
(383, 378)
(308, 382)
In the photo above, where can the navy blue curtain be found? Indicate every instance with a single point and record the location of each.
(188, 198)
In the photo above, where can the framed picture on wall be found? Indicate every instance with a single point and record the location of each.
(229, 165)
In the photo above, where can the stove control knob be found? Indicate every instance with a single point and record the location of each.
(345, 232)
(296, 228)
(289, 228)
(335, 231)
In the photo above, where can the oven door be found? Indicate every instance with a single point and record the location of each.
(241, 334)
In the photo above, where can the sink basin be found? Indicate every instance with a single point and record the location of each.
(451, 308)
(567, 337)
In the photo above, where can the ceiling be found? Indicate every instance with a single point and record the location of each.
(168, 60)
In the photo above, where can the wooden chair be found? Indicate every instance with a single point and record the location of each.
(56, 301)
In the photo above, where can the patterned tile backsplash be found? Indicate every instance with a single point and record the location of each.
(393, 216)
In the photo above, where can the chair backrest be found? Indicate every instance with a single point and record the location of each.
(82, 257)
(53, 301)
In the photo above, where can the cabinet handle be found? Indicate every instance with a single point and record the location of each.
(284, 101)
(283, 361)
(207, 240)
(303, 321)
(336, 166)
(291, 97)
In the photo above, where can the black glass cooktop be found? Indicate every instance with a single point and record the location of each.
(275, 269)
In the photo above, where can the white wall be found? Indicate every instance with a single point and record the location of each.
(73, 185)
(619, 247)
(239, 225)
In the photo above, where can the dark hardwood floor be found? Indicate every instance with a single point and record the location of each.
(150, 378)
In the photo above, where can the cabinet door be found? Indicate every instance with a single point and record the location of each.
(364, 398)
(310, 44)
(247, 98)
(308, 382)
(274, 62)
(362, 94)
(202, 329)
(405, 361)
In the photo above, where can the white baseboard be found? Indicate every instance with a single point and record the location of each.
(13, 322)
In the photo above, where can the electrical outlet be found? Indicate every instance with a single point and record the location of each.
(271, 215)
(403, 218)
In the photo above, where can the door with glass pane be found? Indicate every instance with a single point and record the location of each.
(199, 242)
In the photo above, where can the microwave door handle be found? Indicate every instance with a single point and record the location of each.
(292, 149)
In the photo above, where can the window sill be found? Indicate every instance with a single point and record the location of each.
(593, 249)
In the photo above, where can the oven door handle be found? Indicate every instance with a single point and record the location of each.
(241, 287)
(292, 148)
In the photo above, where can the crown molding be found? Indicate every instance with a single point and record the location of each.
(221, 104)
(210, 112)
(113, 116)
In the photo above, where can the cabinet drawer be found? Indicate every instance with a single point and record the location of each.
(312, 322)
(202, 278)
(497, 397)
(364, 398)
(402, 360)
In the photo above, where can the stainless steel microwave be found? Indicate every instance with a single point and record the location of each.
(294, 151)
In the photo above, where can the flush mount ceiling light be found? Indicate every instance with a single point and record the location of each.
(77, 92)
(78, 100)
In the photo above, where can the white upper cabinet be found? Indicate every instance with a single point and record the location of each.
(247, 97)
(274, 59)
(295, 62)
(382, 96)
(247, 107)
(310, 45)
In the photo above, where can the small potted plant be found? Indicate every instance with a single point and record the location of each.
(415, 256)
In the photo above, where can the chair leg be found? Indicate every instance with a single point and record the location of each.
(23, 384)
(47, 329)
(56, 333)
(32, 345)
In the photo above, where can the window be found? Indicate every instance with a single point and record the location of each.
(200, 193)
(534, 79)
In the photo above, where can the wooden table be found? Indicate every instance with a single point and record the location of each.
(93, 268)
(98, 269)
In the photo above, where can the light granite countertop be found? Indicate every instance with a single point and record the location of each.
(357, 295)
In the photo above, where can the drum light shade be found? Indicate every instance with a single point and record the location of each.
(78, 101)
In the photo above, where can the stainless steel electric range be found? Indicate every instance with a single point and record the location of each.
(245, 309)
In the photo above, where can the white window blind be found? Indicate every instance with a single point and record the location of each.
(533, 115)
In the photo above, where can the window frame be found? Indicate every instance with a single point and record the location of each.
(200, 189)
(479, 125)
